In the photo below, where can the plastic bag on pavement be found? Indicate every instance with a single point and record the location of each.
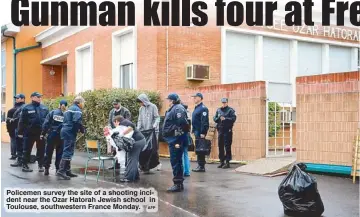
(299, 194)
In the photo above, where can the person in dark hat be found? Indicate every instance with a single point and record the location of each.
(200, 127)
(30, 126)
(20, 101)
(71, 126)
(11, 123)
(52, 127)
(118, 110)
(175, 132)
(125, 113)
(225, 118)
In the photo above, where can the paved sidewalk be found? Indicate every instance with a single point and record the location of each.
(216, 193)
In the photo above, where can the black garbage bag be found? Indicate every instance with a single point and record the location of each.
(299, 195)
(149, 157)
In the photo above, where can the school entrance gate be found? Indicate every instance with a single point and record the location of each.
(280, 114)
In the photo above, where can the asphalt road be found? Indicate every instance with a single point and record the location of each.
(216, 193)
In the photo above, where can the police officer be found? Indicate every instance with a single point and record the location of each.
(225, 118)
(52, 126)
(200, 127)
(175, 132)
(11, 124)
(71, 126)
(20, 100)
(30, 125)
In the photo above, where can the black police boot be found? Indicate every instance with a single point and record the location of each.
(16, 164)
(13, 158)
(62, 171)
(221, 164)
(176, 188)
(46, 173)
(26, 168)
(199, 169)
(227, 165)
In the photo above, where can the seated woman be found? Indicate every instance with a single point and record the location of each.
(132, 172)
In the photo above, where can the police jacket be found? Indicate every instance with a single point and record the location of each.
(72, 123)
(32, 118)
(230, 117)
(11, 121)
(54, 121)
(200, 119)
(175, 122)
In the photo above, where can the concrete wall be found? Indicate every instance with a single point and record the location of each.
(248, 100)
(327, 117)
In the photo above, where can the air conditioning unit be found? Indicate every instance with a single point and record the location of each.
(198, 72)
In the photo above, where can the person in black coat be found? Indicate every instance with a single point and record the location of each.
(52, 127)
(30, 125)
(11, 123)
(200, 127)
(225, 118)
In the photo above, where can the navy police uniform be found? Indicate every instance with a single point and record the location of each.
(19, 140)
(11, 125)
(175, 132)
(52, 126)
(30, 125)
(225, 131)
(200, 126)
(71, 126)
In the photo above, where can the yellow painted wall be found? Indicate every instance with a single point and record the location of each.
(29, 75)
(9, 86)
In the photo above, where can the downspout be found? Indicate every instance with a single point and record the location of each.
(15, 52)
(14, 58)
(167, 58)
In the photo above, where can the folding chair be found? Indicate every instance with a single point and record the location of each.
(92, 145)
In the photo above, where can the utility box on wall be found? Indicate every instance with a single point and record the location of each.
(197, 72)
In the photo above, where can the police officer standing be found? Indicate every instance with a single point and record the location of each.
(200, 127)
(30, 125)
(20, 100)
(11, 124)
(225, 118)
(52, 126)
(175, 133)
(71, 126)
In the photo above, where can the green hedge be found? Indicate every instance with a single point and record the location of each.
(98, 104)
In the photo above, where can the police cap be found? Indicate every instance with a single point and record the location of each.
(37, 94)
(224, 100)
(19, 96)
(198, 95)
(173, 96)
(63, 102)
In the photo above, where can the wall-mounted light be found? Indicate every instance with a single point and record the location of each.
(52, 72)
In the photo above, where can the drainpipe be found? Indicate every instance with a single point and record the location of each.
(167, 58)
(15, 52)
(3, 29)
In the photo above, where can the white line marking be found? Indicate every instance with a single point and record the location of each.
(165, 202)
